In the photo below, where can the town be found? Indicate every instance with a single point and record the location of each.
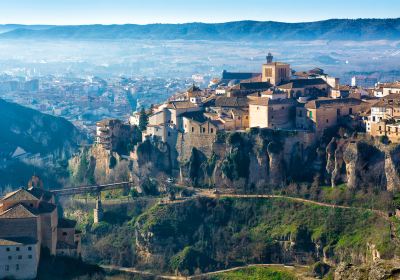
(277, 98)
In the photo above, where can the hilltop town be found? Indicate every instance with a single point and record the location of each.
(307, 104)
(245, 134)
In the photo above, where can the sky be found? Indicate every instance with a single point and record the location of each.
(73, 12)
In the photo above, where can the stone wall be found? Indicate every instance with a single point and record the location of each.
(202, 142)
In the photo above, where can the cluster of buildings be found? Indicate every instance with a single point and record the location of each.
(29, 224)
(85, 101)
(276, 98)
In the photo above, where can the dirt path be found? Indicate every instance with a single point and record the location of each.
(295, 269)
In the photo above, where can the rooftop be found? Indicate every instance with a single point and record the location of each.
(327, 102)
(16, 241)
(231, 101)
(17, 212)
(19, 195)
(180, 105)
(300, 83)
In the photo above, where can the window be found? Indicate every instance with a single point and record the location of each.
(64, 233)
(17, 267)
(8, 249)
(29, 256)
(20, 257)
(204, 129)
(212, 130)
(283, 108)
(247, 117)
(310, 114)
(239, 118)
(272, 117)
(338, 112)
(29, 248)
(350, 111)
(7, 268)
(9, 257)
(192, 129)
(169, 133)
(17, 248)
(327, 121)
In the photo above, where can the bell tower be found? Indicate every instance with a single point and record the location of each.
(270, 58)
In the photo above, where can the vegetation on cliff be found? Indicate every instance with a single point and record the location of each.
(256, 273)
(237, 231)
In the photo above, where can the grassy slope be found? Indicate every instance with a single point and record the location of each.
(256, 273)
(243, 225)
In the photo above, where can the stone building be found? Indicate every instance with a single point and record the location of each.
(68, 239)
(275, 73)
(272, 113)
(29, 220)
(19, 257)
(198, 124)
(319, 114)
(113, 134)
(385, 118)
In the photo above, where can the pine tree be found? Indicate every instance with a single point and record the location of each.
(143, 120)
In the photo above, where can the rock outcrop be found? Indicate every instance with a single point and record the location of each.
(361, 164)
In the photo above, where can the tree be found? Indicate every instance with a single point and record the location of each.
(143, 120)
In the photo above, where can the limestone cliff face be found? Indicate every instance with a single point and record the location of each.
(361, 164)
(255, 159)
(98, 165)
(378, 270)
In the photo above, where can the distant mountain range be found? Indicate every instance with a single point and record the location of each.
(333, 29)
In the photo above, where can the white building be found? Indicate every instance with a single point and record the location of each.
(19, 258)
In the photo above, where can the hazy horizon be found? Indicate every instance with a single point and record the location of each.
(74, 12)
(192, 22)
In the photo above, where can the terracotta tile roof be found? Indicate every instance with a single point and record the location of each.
(180, 105)
(231, 101)
(327, 102)
(15, 241)
(265, 101)
(17, 212)
(19, 195)
(195, 116)
(301, 83)
(254, 86)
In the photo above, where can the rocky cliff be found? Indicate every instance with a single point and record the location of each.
(363, 163)
(252, 159)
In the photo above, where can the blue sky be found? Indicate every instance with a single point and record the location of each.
(179, 11)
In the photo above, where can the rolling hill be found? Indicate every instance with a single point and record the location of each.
(333, 29)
